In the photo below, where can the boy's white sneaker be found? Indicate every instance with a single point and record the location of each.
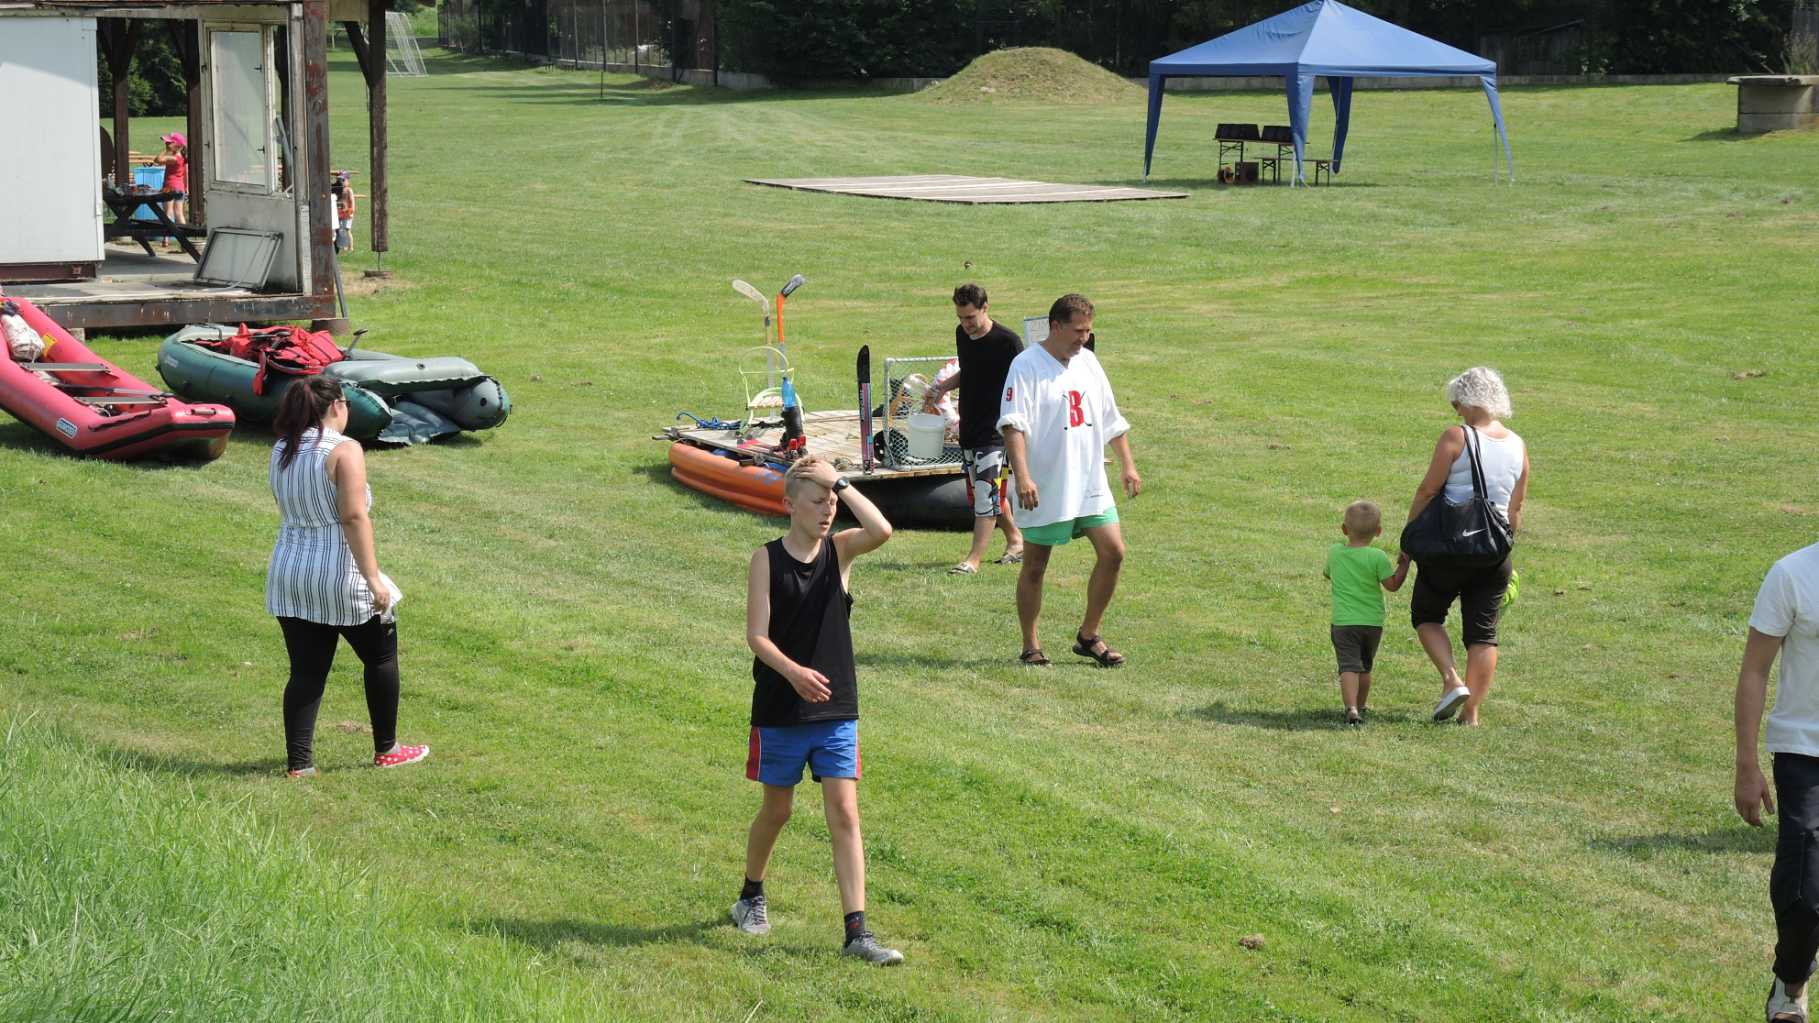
(749, 915)
(1449, 704)
(1781, 1008)
(864, 945)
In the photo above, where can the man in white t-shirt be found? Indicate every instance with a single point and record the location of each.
(1786, 622)
(1057, 417)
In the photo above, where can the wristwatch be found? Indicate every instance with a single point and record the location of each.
(841, 484)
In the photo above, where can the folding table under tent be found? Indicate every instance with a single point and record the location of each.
(1328, 39)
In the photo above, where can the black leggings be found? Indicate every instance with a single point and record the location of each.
(312, 652)
(1793, 885)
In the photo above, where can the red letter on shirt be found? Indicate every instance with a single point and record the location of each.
(1075, 415)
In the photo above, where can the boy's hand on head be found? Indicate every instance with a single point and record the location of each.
(812, 467)
(810, 684)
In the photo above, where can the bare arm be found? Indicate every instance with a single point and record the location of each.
(874, 529)
(809, 684)
(1394, 582)
(347, 467)
(1016, 450)
(1519, 494)
(1121, 446)
(1446, 450)
(1751, 793)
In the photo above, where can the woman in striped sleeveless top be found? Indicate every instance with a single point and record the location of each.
(324, 580)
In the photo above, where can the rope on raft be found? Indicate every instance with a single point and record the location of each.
(710, 423)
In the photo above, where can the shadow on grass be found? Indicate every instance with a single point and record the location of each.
(1322, 720)
(913, 661)
(1736, 838)
(21, 437)
(1224, 187)
(165, 763)
(551, 935)
(1720, 135)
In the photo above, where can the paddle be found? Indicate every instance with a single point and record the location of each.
(865, 407)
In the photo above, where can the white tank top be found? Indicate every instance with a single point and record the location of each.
(1502, 461)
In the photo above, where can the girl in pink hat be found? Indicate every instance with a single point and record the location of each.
(175, 161)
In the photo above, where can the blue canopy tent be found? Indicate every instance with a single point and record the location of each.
(1321, 38)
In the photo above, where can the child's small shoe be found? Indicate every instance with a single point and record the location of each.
(399, 755)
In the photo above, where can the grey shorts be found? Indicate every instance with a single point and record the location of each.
(1356, 646)
(986, 469)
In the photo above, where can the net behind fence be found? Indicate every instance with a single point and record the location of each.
(906, 385)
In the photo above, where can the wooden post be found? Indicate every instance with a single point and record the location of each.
(356, 38)
(319, 239)
(375, 98)
(119, 38)
(186, 39)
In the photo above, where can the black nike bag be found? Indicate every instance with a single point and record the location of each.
(1468, 535)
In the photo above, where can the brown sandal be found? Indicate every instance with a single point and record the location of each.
(1105, 655)
(1034, 658)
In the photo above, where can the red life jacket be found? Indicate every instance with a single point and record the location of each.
(292, 351)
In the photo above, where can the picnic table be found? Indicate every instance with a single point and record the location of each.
(125, 204)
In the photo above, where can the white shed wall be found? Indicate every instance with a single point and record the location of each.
(50, 177)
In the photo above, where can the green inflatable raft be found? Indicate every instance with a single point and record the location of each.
(390, 398)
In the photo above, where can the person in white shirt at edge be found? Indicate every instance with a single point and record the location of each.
(1480, 399)
(1057, 417)
(1785, 622)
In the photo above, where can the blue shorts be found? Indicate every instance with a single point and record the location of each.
(829, 748)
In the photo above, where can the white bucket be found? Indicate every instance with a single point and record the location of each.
(927, 435)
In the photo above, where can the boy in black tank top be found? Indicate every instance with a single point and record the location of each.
(805, 693)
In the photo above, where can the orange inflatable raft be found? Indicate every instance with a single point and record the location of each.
(927, 502)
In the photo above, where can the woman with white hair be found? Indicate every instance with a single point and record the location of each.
(1482, 402)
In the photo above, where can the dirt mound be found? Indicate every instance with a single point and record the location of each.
(1031, 74)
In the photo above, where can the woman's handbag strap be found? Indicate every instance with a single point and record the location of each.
(1479, 488)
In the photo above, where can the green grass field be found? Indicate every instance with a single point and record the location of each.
(1074, 843)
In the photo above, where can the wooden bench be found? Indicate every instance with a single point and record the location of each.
(104, 402)
(69, 367)
(1232, 137)
(1322, 167)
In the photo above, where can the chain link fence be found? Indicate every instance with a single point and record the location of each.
(578, 33)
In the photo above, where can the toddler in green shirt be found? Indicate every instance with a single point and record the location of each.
(1357, 570)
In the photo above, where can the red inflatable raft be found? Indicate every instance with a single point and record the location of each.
(94, 407)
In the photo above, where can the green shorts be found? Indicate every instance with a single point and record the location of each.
(1057, 534)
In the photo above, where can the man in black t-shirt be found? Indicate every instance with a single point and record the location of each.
(985, 351)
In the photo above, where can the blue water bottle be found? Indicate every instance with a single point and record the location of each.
(792, 412)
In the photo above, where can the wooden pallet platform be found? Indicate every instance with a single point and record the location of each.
(961, 188)
(833, 435)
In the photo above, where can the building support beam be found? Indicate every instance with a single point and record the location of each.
(321, 231)
(186, 39)
(119, 38)
(380, 231)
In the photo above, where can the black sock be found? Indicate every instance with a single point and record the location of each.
(855, 924)
(752, 889)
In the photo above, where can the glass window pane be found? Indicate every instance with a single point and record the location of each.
(242, 154)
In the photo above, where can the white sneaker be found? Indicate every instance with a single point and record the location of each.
(1449, 704)
(1781, 1008)
(752, 915)
(864, 945)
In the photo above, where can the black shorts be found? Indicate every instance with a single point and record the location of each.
(1356, 646)
(1478, 589)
